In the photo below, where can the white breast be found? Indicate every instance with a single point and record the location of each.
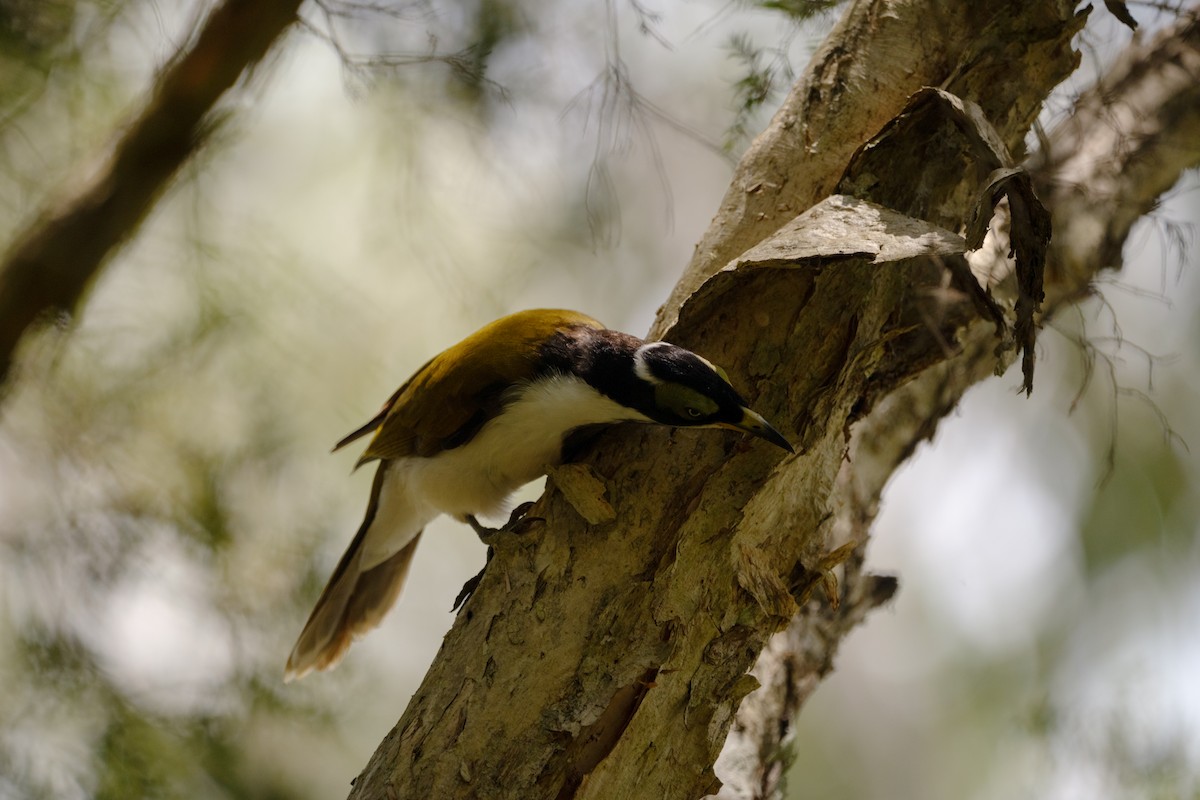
(512, 449)
(476, 478)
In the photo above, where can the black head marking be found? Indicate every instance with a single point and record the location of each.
(603, 358)
(667, 383)
(687, 389)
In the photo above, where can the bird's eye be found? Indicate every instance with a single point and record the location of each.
(694, 413)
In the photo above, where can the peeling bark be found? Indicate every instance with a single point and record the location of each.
(999, 55)
(1155, 87)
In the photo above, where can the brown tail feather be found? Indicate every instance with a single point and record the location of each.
(354, 600)
(353, 603)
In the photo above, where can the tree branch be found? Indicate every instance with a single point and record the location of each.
(1131, 137)
(51, 262)
(861, 77)
(1126, 142)
(608, 660)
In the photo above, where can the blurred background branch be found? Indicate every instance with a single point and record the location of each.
(1127, 140)
(49, 264)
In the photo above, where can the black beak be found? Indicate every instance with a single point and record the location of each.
(753, 423)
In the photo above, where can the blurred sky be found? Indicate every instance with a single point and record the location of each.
(165, 477)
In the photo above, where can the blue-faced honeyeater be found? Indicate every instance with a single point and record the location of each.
(485, 417)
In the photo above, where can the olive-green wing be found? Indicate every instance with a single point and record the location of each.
(453, 396)
(378, 419)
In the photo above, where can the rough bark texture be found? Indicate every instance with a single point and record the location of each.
(880, 53)
(608, 660)
(1127, 140)
(50, 263)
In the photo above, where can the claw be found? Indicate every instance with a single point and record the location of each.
(517, 523)
(519, 513)
(468, 589)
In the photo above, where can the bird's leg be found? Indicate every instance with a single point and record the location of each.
(517, 522)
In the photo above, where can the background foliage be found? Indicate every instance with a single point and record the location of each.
(400, 174)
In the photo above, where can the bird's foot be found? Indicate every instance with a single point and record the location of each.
(468, 589)
(517, 523)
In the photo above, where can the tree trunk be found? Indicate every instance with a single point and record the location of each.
(609, 660)
(1126, 142)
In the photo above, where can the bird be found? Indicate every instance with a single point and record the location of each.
(485, 417)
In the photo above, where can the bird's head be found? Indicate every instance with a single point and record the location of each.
(686, 390)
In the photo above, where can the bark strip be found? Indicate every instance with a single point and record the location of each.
(1154, 87)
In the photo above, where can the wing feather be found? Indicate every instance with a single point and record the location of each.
(446, 402)
(378, 419)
